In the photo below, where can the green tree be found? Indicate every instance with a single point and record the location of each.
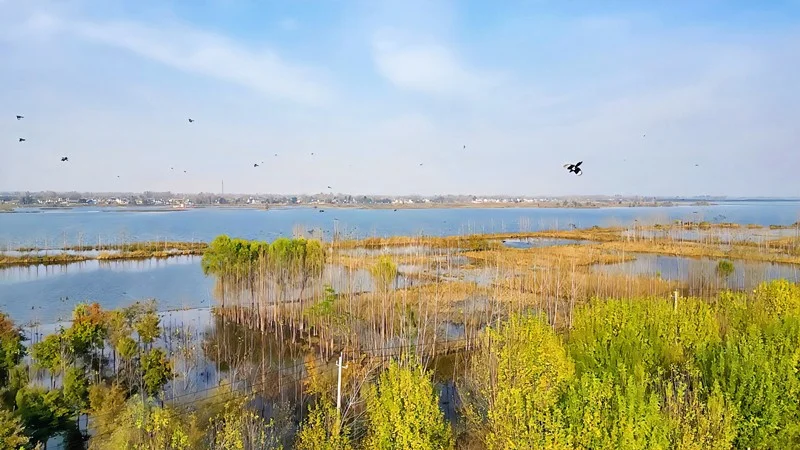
(76, 390)
(519, 376)
(88, 330)
(43, 413)
(17, 379)
(106, 406)
(322, 429)
(12, 433)
(147, 426)
(148, 327)
(11, 348)
(725, 268)
(238, 428)
(385, 273)
(52, 353)
(403, 412)
(156, 371)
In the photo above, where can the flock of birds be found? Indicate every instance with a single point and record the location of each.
(571, 168)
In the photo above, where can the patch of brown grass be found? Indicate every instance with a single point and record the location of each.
(703, 250)
(148, 254)
(35, 260)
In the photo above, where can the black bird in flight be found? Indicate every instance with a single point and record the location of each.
(184, 171)
(191, 120)
(20, 117)
(255, 165)
(22, 139)
(574, 168)
(312, 153)
(64, 158)
(276, 154)
(420, 164)
(330, 187)
(171, 168)
(465, 147)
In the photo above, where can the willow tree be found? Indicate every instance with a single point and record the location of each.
(287, 264)
(515, 384)
(292, 263)
(384, 272)
(403, 412)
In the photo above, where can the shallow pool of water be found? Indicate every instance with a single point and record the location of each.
(746, 274)
(724, 235)
(540, 242)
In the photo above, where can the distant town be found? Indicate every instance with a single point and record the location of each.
(11, 200)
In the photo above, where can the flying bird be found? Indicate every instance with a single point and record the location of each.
(276, 154)
(171, 168)
(191, 120)
(420, 164)
(465, 147)
(312, 153)
(22, 139)
(330, 187)
(574, 168)
(184, 171)
(64, 158)
(255, 165)
(20, 117)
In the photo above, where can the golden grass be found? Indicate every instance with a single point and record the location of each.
(147, 246)
(147, 254)
(35, 260)
(556, 256)
(704, 250)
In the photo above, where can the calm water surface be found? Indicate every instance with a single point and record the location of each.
(46, 294)
(746, 274)
(92, 225)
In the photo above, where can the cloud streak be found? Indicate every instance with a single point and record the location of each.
(428, 67)
(199, 52)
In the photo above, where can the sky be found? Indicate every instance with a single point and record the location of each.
(656, 98)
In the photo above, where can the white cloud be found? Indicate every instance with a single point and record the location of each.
(200, 52)
(427, 67)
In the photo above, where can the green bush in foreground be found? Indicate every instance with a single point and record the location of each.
(403, 412)
(705, 375)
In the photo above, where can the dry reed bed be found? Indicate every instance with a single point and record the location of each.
(145, 246)
(556, 256)
(36, 260)
(703, 250)
(68, 258)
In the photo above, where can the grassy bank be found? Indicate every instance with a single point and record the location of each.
(117, 252)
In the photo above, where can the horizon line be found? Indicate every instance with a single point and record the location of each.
(322, 193)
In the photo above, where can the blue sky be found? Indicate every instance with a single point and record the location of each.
(640, 91)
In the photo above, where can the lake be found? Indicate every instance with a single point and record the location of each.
(88, 225)
(45, 294)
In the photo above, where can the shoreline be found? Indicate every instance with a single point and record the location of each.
(374, 206)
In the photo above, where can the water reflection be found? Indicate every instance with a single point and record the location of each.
(540, 242)
(723, 235)
(702, 272)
